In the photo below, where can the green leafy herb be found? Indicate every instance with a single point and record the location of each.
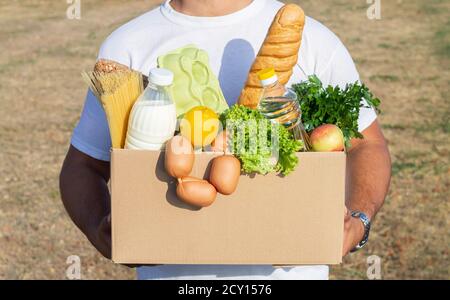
(259, 158)
(333, 105)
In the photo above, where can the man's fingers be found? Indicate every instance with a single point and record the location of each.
(345, 247)
(349, 235)
(346, 213)
(353, 234)
(347, 218)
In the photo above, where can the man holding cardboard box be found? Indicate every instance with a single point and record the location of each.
(231, 32)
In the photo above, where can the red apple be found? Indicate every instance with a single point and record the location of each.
(327, 138)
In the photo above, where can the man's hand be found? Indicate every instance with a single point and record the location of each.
(103, 238)
(353, 232)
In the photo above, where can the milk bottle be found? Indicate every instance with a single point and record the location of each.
(153, 117)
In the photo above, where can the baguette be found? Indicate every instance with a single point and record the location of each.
(279, 50)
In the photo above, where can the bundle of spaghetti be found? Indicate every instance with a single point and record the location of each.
(117, 91)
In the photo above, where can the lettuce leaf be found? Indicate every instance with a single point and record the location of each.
(259, 159)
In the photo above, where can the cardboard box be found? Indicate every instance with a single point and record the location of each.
(292, 220)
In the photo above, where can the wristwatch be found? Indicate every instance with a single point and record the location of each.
(366, 222)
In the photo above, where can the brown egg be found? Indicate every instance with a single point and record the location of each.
(179, 157)
(225, 173)
(220, 142)
(196, 192)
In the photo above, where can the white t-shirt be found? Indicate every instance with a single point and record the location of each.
(232, 42)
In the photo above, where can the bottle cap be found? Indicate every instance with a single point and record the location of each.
(160, 76)
(267, 76)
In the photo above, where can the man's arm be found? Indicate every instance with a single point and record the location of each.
(368, 177)
(85, 194)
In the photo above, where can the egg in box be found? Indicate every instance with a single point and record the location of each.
(194, 82)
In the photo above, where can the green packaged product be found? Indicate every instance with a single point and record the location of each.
(194, 83)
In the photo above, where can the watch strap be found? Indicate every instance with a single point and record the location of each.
(366, 222)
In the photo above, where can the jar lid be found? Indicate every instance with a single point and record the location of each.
(161, 76)
(267, 76)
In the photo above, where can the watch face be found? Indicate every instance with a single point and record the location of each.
(356, 214)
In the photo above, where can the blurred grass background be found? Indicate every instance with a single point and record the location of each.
(404, 58)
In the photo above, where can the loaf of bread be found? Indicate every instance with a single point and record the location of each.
(279, 51)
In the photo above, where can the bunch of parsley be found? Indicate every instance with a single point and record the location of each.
(333, 105)
(260, 161)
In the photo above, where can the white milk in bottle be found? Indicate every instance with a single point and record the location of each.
(153, 118)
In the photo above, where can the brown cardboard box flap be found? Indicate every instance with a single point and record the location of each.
(292, 220)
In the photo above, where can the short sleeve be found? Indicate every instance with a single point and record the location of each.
(342, 71)
(91, 135)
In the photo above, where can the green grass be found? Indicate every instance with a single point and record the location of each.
(385, 46)
(15, 64)
(440, 169)
(398, 167)
(432, 7)
(414, 162)
(442, 41)
(387, 78)
(393, 126)
(438, 124)
(445, 125)
(65, 51)
(360, 60)
(437, 13)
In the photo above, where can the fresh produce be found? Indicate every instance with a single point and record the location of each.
(179, 157)
(260, 161)
(279, 50)
(200, 125)
(220, 143)
(196, 192)
(225, 173)
(333, 105)
(327, 138)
